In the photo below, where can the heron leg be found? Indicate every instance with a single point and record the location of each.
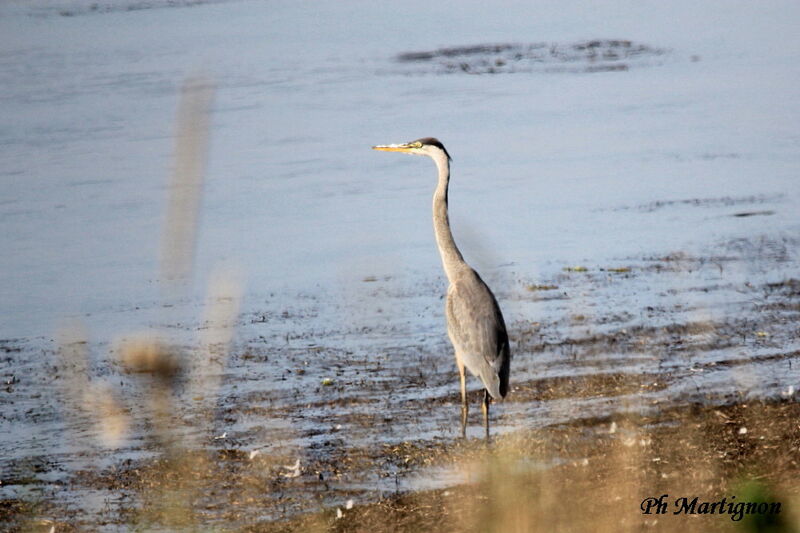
(485, 408)
(464, 405)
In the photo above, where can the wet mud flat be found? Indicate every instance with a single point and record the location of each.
(603, 467)
(725, 468)
(674, 372)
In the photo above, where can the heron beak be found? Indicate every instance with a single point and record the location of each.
(392, 148)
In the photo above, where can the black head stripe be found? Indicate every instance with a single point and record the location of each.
(431, 141)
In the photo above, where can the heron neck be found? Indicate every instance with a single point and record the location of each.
(452, 260)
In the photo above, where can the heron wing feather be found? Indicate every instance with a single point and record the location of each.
(478, 333)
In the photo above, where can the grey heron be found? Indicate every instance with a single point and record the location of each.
(474, 321)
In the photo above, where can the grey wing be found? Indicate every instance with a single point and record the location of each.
(478, 333)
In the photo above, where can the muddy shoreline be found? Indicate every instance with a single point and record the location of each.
(607, 468)
(357, 413)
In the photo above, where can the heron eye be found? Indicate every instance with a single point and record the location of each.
(417, 145)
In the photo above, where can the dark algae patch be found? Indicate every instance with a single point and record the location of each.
(598, 55)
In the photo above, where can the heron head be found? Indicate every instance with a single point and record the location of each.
(426, 146)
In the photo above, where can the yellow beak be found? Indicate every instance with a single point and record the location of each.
(392, 148)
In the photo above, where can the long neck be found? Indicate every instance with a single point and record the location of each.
(451, 257)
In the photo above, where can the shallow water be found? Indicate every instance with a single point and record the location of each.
(543, 160)
(682, 167)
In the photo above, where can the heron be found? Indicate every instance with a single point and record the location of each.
(475, 323)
